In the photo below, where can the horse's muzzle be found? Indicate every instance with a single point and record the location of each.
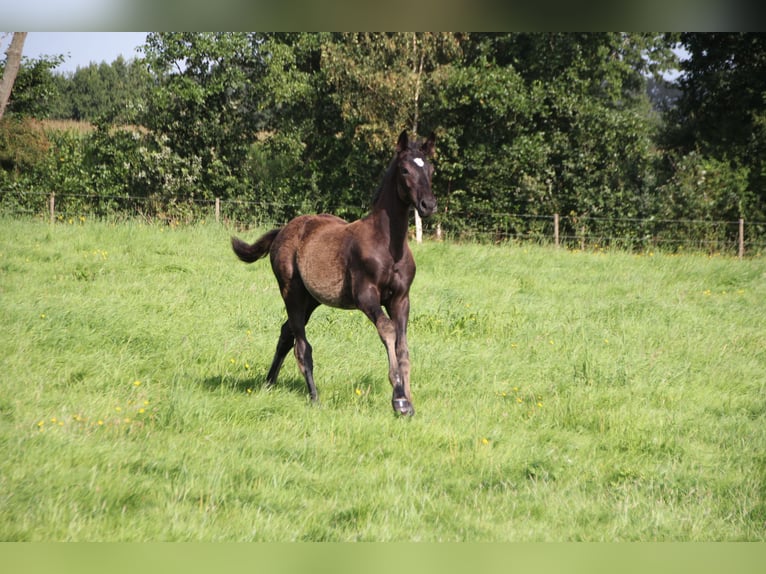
(426, 207)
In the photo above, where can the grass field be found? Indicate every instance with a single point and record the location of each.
(560, 396)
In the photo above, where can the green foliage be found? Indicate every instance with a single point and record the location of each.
(105, 173)
(561, 396)
(706, 188)
(275, 165)
(23, 144)
(721, 111)
(607, 67)
(35, 88)
(528, 125)
(105, 93)
(203, 103)
(541, 145)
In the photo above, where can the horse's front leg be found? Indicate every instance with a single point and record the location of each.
(399, 311)
(368, 302)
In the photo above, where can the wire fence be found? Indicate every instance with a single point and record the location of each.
(740, 238)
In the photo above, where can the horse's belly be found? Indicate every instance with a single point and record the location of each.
(325, 284)
(323, 270)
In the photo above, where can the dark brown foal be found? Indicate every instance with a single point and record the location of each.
(365, 265)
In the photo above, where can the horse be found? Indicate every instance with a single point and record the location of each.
(366, 265)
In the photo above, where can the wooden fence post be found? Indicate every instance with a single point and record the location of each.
(52, 206)
(218, 210)
(556, 229)
(741, 238)
(418, 228)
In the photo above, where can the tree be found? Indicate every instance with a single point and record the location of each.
(721, 113)
(36, 90)
(205, 100)
(12, 64)
(377, 84)
(546, 123)
(111, 93)
(723, 86)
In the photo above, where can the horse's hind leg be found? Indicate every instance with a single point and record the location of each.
(285, 343)
(305, 361)
(303, 356)
(299, 309)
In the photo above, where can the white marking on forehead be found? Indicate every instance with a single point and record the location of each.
(419, 162)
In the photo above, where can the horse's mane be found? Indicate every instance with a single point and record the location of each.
(383, 180)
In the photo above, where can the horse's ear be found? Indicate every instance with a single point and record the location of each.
(403, 142)
(428, 147)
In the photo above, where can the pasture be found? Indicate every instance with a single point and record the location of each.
(560, 396)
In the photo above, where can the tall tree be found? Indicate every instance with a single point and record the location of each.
(723, 85)
(203, 103)
(378, 81)
(12, 63)
(721, 113)
(36, 92)
(546, 123)
(112, 93)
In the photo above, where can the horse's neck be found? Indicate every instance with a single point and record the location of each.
(391, 216)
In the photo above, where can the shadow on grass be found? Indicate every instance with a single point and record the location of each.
(248, 384)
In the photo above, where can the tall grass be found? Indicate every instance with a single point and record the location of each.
(560, 396)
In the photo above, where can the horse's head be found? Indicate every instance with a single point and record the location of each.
(413, 173)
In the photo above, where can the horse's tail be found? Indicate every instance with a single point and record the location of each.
(250, 253)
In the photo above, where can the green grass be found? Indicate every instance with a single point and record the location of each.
(560, 396)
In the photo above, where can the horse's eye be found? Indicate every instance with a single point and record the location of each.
(404, 171)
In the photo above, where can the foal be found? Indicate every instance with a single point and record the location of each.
(365, 265)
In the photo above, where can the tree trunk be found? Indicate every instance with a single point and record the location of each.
(417, 70)
(12, 64)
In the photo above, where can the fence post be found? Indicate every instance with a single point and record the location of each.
(218, 210)
(418, 228)
(556, 229)
(52, 206)
(741, 238)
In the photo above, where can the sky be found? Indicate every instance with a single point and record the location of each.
(78, 48)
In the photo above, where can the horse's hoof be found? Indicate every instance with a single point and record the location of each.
(403, 407)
